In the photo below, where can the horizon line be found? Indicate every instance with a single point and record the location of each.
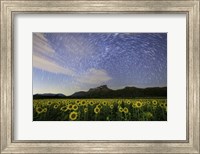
(101, 86)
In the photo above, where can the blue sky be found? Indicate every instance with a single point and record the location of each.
(70, 62)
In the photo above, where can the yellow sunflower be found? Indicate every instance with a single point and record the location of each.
(165, 106)
(75, 107)
(97, 110)
(91, 103)
(138, 104)
(162, 105)
(125, 110)
(64, 108)
(133, 104)
(45, 110)
(99, 106)
(73, 115)
(128, 102)
(120, 109)
(69, 107)
(39, 110)
(148, 102)
(154, 102)
(55, 106)
(119, 102)
(104, 103)
(111, 106)
(77, 101)
(83, 103)
(85, 110)
(49, 103)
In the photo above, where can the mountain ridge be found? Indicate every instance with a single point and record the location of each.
(105, 92)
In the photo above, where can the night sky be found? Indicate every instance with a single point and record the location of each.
(70, 62)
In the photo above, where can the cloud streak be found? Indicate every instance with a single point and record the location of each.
(49, 66)
(41, 44)
(44, 55)
(94, 77)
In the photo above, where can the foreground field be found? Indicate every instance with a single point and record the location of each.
(100, 110)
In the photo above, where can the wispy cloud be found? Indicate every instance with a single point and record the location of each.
(50, 66)
(94, 76)
(44, 55)
(41, 44)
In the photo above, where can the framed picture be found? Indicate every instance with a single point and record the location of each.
(99, 76)
(92, 61)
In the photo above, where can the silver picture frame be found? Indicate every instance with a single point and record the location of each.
(9, 8)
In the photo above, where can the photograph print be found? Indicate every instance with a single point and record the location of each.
(99, 76)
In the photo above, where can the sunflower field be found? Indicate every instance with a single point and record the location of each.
(99, 110)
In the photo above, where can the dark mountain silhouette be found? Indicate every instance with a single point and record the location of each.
(105, 92)
(48, 95)
(127, 92)
(79, 94)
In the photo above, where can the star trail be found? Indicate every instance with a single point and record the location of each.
(70, 62)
